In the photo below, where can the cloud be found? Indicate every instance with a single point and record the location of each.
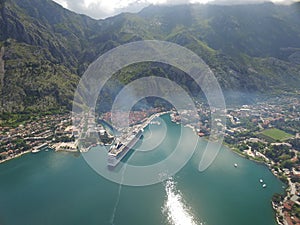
(230, 2)
(104, 8)
(95, 9)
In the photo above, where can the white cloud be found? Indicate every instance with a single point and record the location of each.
(105, 8)
(63, 3)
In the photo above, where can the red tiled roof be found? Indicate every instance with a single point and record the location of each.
(288, 218)
(288, 205)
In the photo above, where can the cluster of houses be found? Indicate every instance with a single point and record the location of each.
(263, 116)
(129, 118)
(260, 116)
(33, 134)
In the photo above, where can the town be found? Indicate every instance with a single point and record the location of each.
(34, 134)
(267, 132)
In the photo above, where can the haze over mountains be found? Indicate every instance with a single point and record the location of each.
(46, 48)
(99, 9)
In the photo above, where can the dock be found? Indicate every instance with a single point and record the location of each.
(127, 140)
(39, 148)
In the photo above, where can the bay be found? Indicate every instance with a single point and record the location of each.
(62, 189)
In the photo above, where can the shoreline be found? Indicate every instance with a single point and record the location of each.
(15, 156)
(277, 210)
(148, 120)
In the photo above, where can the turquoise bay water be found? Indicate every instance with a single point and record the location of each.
(61, 189)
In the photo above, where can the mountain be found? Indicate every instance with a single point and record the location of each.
(46, 48)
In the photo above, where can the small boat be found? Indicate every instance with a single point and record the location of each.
(35, 151)
(235, 165)
(264, 185)
(261, 181)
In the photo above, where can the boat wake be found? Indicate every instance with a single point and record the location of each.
(175, 209)
(112, 220)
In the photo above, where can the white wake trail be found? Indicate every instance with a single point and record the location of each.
(112, 220)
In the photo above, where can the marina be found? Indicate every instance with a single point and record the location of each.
(39, 148)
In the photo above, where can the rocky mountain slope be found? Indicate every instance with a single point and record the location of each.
(46, 48)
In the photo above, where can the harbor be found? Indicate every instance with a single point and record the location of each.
(62, 139)
(122, 146)
(126, 140)
(91, 198)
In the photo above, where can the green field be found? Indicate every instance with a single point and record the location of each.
(275, 135)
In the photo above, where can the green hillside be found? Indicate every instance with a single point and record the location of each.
(46, 48)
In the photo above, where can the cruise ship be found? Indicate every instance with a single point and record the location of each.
(119, 150)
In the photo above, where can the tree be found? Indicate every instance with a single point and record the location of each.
(277, 198)
(287, 164)
(295, 143)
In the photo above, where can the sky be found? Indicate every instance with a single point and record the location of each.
(100, 9)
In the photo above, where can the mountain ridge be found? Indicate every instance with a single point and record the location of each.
(46, 48)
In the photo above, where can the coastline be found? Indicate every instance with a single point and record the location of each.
(277, 210)
(15, 156)
(58, 149)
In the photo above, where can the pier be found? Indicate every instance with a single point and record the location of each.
(39, 148)
(127, 140)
